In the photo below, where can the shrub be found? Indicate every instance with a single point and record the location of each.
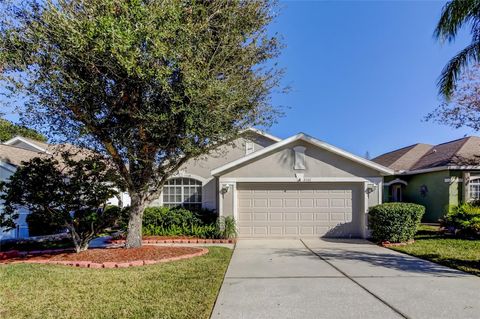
(68, 191)
(463, 220)
(166, 217)
(395, 222)
(227, 227)
(164, 221)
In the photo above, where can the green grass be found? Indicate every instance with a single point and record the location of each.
(430, 244)
(181, 289)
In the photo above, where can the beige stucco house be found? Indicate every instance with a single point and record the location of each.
(296, 187)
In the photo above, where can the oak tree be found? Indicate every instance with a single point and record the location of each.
(150, 83)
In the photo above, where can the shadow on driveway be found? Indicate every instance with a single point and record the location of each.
(369, 260)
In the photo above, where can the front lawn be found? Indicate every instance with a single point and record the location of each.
(456, 253)
(181, 289)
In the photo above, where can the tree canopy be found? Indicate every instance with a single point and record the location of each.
(151, 83)
(462, 109)
(455, 15)
(9, 130)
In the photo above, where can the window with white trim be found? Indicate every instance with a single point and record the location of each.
(474, 189)
(184, 192)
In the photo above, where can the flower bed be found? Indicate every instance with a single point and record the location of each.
(176, 240)
(107, 258)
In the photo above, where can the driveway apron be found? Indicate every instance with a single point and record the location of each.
(314, 278)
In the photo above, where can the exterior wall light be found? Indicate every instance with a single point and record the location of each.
(225, 188)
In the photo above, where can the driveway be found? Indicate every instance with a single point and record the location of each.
(340, 279)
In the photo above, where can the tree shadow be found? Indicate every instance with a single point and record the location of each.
(379, 257)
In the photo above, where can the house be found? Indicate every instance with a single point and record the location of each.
(435, 176)
(299, 186)
(12, 154)
(21, 149)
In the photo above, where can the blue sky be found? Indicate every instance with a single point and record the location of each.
(363, 74)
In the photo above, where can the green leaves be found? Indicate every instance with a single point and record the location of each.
(147, 82)
(151, 84)
(65, 193)
(463, 219)
(455, 15)
(395, 222)
(9, 130)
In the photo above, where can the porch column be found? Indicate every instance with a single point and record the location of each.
(466, 188)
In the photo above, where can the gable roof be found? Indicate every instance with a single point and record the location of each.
(15, 155)
(404, 158)
(461, 152)
(40, 146)
(464, 152)
(309, 139)
(263, 133)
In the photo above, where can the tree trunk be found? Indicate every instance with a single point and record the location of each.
(134, 235)
(81, 244)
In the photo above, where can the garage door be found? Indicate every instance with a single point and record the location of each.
(298, 210)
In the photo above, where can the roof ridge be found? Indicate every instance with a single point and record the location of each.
(465, 139)
(420, 158)
(455, 140)
(401, 148)
(468, 138)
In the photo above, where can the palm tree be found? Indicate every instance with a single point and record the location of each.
(455, 15)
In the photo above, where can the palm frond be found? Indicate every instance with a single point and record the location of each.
(452, 71)
(456, 14)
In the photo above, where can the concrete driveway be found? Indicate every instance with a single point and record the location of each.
(340, 279)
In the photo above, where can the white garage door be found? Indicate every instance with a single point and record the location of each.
(298, 210)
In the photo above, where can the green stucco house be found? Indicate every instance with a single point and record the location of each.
(435, 176)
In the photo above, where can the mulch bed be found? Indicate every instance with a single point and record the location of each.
(176, 240)
(111, 257)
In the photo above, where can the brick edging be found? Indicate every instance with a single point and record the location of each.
(179, 241)
(15, 253)
(388, 244)
(89, 264)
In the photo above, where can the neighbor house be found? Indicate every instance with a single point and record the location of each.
(299, 186)
(435, 176)
(21, 149)
(12, 154)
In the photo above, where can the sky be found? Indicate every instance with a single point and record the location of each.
(363, 74)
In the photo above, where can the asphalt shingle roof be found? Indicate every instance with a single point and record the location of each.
(461, 152)
(16, 155)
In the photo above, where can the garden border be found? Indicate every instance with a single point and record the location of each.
(89, 264)
(179, 241)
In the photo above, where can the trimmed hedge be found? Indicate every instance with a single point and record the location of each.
(395, 222)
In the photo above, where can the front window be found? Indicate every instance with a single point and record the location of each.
(185, 192)
(475, 189)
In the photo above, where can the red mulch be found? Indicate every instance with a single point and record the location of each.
(119, 255)
(160, 237)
